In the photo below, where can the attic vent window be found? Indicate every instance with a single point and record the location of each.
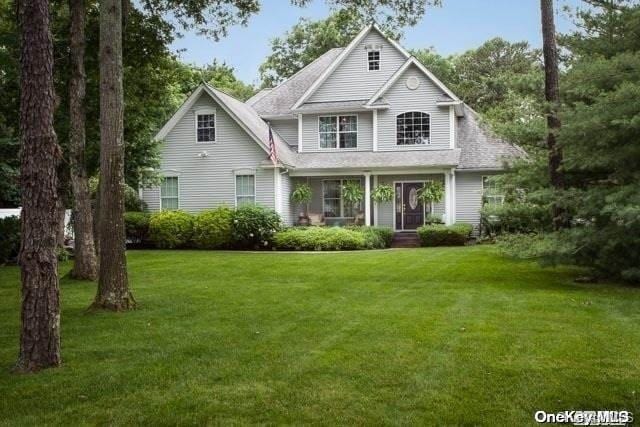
(413, 83)
(373, 60)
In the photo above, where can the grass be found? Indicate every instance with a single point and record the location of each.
(425, 336)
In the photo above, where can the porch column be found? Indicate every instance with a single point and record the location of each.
(375, 204)
(367, 198)
(447, 198)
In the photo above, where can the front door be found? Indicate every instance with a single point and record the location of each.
(409, 209)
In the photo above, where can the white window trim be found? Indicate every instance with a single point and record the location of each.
(235, 187)
(413, 145)
(342, 181)
(337, 116)
(202, 112)
(368, 61)
(160, 191)
(498, 196)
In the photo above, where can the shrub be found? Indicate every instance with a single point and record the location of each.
(212, 229)
(515, 218)
(253, 227)
(170, 229)
(444, 235)
(375, 237)
(9, 239)
(319, 239)
(136, 225)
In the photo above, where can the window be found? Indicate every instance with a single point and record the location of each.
(206, 127)
(338, 131)
(245, 190)
(412, 128)
(333, 205)
(373, 60)
(491, 192)
(169, 193)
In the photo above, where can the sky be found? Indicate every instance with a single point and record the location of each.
(456, 26)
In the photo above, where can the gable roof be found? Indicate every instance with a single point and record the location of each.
(279, 100)
(340, 58)
(258, 96)
(245, 116)
(412, 61)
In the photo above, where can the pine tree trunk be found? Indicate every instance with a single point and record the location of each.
(85, 264)
(113, 286)
(39, 157)
(552, 96)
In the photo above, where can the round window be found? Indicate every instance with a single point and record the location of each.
(413, 83)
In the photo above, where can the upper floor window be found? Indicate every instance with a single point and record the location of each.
(412, 128)
(373, 60)
(206, 127)
(169, 193)
(338, 131)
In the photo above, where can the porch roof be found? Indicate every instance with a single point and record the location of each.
(378, 159)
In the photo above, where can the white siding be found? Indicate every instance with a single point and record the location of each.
(210, 182)
(287, 129)
(351, 79)
(402, 99)
(285, 199)
(311, 141)
(468, 197)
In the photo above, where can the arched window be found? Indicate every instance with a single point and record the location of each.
(412, 128)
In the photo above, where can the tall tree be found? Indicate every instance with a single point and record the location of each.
(40, 154)
(113, 284)
(552, 96)
(84, 261)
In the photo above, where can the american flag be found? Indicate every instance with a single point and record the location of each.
(272, 147)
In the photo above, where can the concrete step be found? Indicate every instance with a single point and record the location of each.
(405, 240)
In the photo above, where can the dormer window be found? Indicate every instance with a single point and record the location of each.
(373, 60)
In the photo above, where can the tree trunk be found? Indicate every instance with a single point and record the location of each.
(113, 287)
(39, 157)
(85, 264)
(552, 96)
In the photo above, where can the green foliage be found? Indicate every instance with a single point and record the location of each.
(132, 201)
(253, 227)
(171, 229)
(382, 193)
(433, 219)
(219, 75)
(320, 239)
(212, 229)
(9, 238)
(375, 237)
(444, 235)
(521, 217)
(431, 192)
(302, 194)
(352, 192)
(136, 226)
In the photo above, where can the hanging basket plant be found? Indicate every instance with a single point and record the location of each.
(382, 193)
(431, 192)
(352, 192)
(302, 194)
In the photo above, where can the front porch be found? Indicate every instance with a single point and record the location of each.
(329, 204)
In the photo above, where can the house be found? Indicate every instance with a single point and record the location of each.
(368, 113)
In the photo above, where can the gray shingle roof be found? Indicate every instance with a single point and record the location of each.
(481, 148)
(281, 98)
(258, 96)
(254, 122)
(378, 159)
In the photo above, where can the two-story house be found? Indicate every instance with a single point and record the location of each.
(369, 112)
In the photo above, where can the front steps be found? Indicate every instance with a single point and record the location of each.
(405, 239)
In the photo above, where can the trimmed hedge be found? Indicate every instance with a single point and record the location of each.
(9, 239)
(171, 229)
(444, 235)
(136, 226)
(333, 238)
(212, 229)
(253, 227)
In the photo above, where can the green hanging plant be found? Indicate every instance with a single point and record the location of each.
(431, 192)
(382, 193)
(352, 192)
(302, 194)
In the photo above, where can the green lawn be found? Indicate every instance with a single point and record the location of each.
(425, 336)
